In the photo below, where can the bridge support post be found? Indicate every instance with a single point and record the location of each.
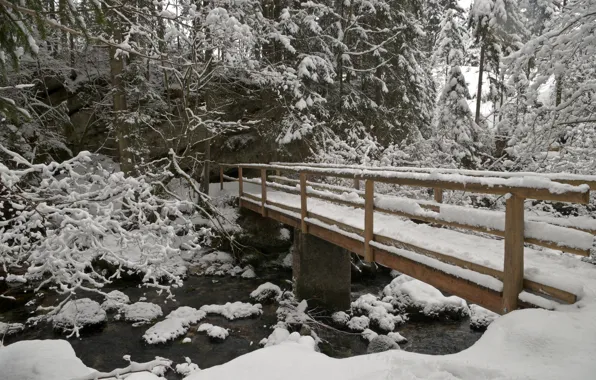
(321, 271)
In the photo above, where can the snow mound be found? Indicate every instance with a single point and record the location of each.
(10, 328)
(40, 360)
(378, 312)
(189, 315)
(80, 313)
(480, 317)
(409, 294)
(359, 323)
(115, 300)
(266, 292)
(234, 310)
(165, 330)
(142, 312)
(212, 331)
(282, 336)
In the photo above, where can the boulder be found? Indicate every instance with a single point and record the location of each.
(381, 343)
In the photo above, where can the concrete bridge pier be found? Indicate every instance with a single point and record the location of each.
(321, 272)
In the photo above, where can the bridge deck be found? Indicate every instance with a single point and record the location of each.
(478, 260)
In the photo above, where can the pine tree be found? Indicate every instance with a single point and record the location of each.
(457, 133)
(450, 47)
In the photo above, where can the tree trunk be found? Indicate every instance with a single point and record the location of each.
(479, 93)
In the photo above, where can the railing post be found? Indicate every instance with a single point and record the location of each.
(240, 187)
(369, 207)
(221, 174)
(438, 192)
(356, 184)
(263, 191)
(303, 203)
(513, 267)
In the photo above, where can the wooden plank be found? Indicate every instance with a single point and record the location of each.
(513, 267)
(369, 206)
(273, 214)
(303, 203)
(337, 238)
(438, 193)
(357, 184)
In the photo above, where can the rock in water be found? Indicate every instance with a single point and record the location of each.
(81, 312)
(381, 343)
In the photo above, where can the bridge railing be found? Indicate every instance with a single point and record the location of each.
(517, 189)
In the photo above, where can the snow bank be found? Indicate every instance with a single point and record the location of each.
(265, 292)
(214, 332)
(525, 344)
(234, 310)
(80, 313)
(40, 360)
(142, 312)
(115, 301)
(480, 317)
(407, 293)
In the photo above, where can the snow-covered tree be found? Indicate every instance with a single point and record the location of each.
(451, 41)
(456, 131)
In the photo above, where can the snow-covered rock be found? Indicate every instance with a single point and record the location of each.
(189, 315)
(282, 336)
(176, 324)
(341, 318)
(397, 337)
(80, 313)
(214, 332)
(187, 368)
(411, 295)
(369, 335)
(186, 340)
(360, 323)
(40, 360)
(10, 328)
(234, 310)
(480, 317)
(266, 292)
(162, 331)
(248, 273)
(115, 301)
(379, 312)
(142, 312)
(381, 343)
(287, 261)
(13, 280)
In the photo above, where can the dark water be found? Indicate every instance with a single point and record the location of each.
(102, 348)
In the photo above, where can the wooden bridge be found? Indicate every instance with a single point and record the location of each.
(478, 255)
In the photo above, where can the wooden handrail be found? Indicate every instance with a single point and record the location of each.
(568, 178)
(553, 192)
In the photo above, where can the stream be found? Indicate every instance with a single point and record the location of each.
(103, 347)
